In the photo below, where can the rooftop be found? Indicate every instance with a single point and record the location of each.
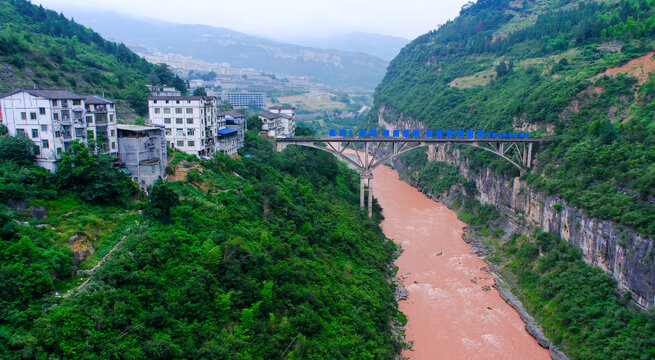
(281, 108)
(136, 127)
(234, 114)
(269, 115)
(97, 100)
(51, 94)
(181, 98)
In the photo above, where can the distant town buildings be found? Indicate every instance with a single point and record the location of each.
(52, 119)
(142, 149)
(244, 99)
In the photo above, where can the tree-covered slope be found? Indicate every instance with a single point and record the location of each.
(262, 258)
(538, 65)
(40, 48)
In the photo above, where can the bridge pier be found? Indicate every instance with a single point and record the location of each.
(366, 183)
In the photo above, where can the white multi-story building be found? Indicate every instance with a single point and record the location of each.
(190, 122)
(278, 124)
(55, 118)
(288, 123)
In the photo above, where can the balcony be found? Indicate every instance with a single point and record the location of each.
(66, 135)
(100, 108)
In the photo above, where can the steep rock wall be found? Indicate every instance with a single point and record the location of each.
(620, 252)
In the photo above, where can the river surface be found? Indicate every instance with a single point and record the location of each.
(452, 310)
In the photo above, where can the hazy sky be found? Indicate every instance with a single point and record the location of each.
(287, 19)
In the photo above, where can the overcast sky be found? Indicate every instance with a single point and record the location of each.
(287, 19)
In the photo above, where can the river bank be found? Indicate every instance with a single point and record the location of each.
(452, 307)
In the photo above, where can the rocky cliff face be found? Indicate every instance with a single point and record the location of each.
(620, 252)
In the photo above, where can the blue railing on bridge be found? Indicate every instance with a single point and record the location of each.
(431, 133)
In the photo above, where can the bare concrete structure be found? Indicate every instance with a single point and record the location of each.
(143, 151)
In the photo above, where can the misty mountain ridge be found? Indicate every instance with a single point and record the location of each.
(338, 68)
(383, 46)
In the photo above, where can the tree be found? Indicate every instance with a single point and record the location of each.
(200, 92)
(92, 176)
(3, 130)
(161, 200)
(254, 123)
(19, 149)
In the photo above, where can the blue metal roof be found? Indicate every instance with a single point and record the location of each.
(226, 131)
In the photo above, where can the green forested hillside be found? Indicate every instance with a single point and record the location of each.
(262, 258)
(537, 64)
(40, 48)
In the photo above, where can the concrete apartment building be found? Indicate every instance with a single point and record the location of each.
(235, 121)
(279, 121)
(244, 99)
(142, 149)
(190, 122)
(52, 119)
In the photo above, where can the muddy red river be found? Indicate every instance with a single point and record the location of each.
(452, 310)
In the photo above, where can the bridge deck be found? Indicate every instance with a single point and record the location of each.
(404, 139)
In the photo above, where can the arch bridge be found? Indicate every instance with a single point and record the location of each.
(379, 150)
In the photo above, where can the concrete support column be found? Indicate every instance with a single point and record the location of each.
(530, 155)
(362, 188)
(370, 195)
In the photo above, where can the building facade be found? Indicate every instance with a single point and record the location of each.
(142, 149)
(235, 121)
(53, 119)
(190, 122)
(278, 124)
(244, 99)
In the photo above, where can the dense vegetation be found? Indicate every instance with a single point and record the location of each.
(576, 303)
(493, 68)
(41, 48)
(260, 258)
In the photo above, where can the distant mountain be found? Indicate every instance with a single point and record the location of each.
(336, 68)
(383, 46)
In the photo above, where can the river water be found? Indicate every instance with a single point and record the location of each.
(452, 310)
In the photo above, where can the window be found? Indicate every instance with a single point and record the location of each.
(89, 119)
(155, 101)
(191, 143)
(44, 128)
(45, 144)
(54, 102)
(167, 120)
(190, 131)
(179, 132)
(178, 120)
(57, 134)
(168, 132)
(20, 132)
(37, 151)
(177, 101)
(55, 116)
(167, 101)
(189, 120)
(168, 144)
(113, 133)
(58, 151)
(41, 111)
(167, 110)
(157, 110)
(111, 117)
(35, 133)
(23, 116)
(77, 102)
(113, 145)
(178, 110)
(180, 143)
(189, 110)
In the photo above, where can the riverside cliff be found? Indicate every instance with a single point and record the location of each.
(620, 252)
